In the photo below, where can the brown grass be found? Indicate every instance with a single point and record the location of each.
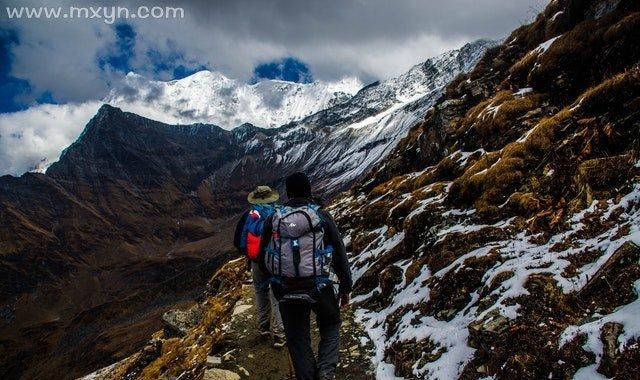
(612, 94)
(490, 181)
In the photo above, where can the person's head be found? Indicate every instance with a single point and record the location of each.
(263, 195)
(298, 186)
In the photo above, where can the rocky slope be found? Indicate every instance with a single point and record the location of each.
(235, 350)
(136, 214)
(113, 234)
(337, 145)
(499, 239)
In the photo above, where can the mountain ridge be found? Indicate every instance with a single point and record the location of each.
(78, 239)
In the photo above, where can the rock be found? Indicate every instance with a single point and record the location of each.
(228, 357)
(220, 374)
(213, 361)
(178, 322)
(609, 335)
(389, 278)
(148, 354)
(486, 330)
(244, 371)
(446, 315)
(476, 90)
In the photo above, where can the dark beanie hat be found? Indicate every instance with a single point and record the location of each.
(298, 186)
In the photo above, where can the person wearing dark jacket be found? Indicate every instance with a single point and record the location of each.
(296, 313)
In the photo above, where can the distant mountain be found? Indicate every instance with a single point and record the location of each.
(33, 139)
(210, 97)
(135, 214)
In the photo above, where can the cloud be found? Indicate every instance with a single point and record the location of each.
(81, 60)
(118, 54)
(14, 92)
(373, 39)
(35, 137)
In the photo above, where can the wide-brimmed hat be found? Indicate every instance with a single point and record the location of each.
(263, 194)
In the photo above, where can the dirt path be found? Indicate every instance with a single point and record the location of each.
(253, 357)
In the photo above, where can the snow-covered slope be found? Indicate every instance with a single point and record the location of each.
(212, 98)
(337, 145)
(500, 239)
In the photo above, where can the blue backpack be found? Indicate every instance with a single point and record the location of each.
(252, 230)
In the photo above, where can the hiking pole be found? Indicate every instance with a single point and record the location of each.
(291, 375)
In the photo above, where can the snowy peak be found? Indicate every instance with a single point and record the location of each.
(426, 76)
(419, 81)
(210, 97)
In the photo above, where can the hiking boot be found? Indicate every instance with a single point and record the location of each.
(279, 341)
(265, 333)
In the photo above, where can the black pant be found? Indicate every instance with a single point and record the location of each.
(297, 328)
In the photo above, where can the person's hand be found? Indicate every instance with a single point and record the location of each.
(345, 299)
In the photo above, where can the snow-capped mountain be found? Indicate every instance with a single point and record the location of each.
(500, 239)
(339, 144)
(34, 138)
(212, 98)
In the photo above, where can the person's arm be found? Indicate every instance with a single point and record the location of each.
(264, 242)
(340, 263)
(237, 236)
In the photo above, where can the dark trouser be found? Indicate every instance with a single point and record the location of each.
(268, 313)
(297, 328)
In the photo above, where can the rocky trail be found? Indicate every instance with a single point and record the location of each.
(243, 354)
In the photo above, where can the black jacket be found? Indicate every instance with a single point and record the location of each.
(331, 236)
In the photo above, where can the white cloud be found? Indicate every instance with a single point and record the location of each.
(35, 137)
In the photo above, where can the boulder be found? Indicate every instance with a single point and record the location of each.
(178, 322)
(610, 352)
(484, 331)
(220, 374)
(213, 361)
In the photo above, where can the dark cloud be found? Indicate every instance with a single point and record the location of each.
(190, 113)
(13, 90)
(354, 21)
(154, 93)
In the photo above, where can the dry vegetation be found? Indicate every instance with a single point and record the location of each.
(538, 158)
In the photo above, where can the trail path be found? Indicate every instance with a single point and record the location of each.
(253, 357)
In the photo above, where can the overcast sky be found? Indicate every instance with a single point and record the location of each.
(370, 39)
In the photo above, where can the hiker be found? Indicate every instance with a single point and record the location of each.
(247, 241)
(300, 248)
